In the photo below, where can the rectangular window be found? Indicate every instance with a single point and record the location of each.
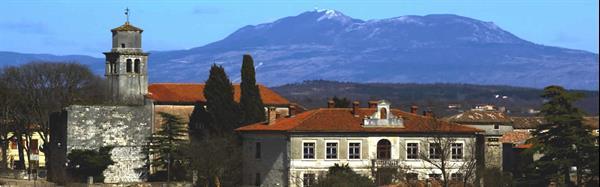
(412, 150)
(435, 176)
(308, 179)
(412, 176)
(309, 150)
(354, 151)
(331, 150)
(257, 179)
(33, 146)
(13, 143)
(457, 150)
(456, 176)
(258, 150)
(435, 151)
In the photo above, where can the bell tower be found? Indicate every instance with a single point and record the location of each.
(127, 66)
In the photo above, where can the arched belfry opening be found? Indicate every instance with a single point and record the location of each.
(136, 66)
(128, 65)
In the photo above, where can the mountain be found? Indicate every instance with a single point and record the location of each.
(12, 58)
(437, 97)
(326, 44)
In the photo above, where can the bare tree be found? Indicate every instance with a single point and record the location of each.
(445, 152)
(216, 160)
(39, 88)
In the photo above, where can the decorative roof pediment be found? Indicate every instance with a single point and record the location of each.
(383, 117)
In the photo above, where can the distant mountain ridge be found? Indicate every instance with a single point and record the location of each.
(326, 44)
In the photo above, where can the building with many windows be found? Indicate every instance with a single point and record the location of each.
(295, 150)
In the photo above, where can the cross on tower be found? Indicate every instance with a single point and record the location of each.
(127, 14)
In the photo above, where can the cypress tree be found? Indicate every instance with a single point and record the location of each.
(220, 103)
(200, 122)
(250, 101)
(563, 140)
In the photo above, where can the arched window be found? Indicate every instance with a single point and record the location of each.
(383, 113)
(114, 67)
(137, 65)
(122, 45)
(384, 149)
(129, 65)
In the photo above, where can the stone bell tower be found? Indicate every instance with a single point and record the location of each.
(127, 66)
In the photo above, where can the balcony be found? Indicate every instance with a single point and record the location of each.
(386, 162)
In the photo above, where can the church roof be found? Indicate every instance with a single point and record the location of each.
(127, 27)
(189, 93)
(344, 120)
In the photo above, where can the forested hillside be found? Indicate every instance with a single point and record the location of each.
(437, 97)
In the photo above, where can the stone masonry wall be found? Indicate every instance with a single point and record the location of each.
(126, 128)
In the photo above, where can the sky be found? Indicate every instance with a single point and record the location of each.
(83, 27)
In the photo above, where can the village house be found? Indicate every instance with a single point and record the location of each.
(295, 150)
(495, 123)
(37, 157)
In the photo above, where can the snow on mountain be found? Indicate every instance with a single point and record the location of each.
(326, 44)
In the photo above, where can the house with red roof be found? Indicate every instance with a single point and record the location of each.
(295, 150)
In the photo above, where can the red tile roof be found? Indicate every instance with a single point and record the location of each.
(127, 27)
(342, 120)
(515, 137)
(524, 146)
(190, 93)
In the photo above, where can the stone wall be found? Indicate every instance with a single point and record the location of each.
(126, 128)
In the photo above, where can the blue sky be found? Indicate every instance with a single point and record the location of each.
(82, 27)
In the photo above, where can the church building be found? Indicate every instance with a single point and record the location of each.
(124, 122)
(130, 114)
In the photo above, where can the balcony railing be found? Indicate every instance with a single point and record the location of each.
(386, 162)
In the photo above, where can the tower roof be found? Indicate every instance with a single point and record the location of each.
(127, 27)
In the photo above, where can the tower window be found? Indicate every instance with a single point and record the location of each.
(137, 65)
(129, 65)
(122, 45)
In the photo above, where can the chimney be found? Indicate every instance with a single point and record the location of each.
(292, 109)
(413, 109)
(355, 106)
(372, 104)
(330, 104)
(272, 115)
(428, 113)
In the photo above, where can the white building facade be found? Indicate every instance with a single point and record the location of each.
(296, 151)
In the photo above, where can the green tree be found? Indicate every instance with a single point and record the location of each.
(563, 140)
(220, 103)
(253, 109)
(163, 146)
(341, 102)
(200, 121)
(85, 163)
(342, 176)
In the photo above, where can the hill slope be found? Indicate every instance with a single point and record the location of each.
(314, 94)
(326, 44)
